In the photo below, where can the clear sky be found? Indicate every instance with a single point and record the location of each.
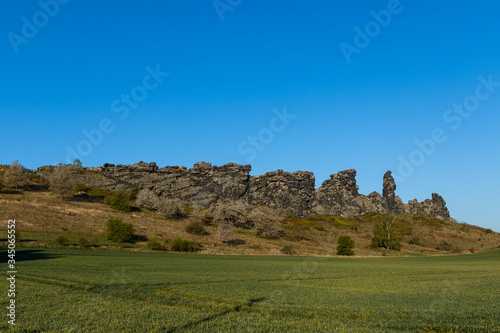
(321, 86)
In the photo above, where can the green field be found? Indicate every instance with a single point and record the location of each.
(121, 291)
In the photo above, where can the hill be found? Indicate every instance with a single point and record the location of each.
(41, 216)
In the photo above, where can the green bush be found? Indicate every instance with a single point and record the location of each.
(83, 242)
(119, 232)
(155, 245)
(133, 193)
(82, 188)
(488, 231)
(119, 201)
(345, 244)
(61, 241)
(196, 228)
(182, 245)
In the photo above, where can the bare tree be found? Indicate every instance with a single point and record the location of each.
(170, 208)
(233, 212)
(16, 175)
(225, 231)
(62, 181)
(267, 223)
(147, 199)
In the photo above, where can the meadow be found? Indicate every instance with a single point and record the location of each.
(72, 290)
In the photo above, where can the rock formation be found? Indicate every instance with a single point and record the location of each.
(339, 195)
(204, 185)
(391, 203)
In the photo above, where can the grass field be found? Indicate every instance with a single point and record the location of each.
(63, 290)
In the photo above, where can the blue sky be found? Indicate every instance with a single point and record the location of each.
(266, 84)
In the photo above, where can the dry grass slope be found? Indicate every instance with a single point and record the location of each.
(42, 216)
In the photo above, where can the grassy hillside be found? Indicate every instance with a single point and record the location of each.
(62, 290)
(42, 216)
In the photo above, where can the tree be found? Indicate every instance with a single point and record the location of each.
(119, 201)
(387, 233)
(225, 231)
(345, 244)
(266, 223)
(147, 199)
(170, 208)
(119, 232)
(77, 163)
(16, 175)
(62, 181)
(233, 212)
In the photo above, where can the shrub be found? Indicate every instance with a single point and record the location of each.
(133, 193)
(345, 244)
(61, 241)
(488, 231)
(196, 228)
(207, 218)
(170, 208)
(81, 188)
(182, 245)
(119, 201)
(446, 246)
(266, 223)
(77, 163)
(62, 181)
(147, 199)
(387, 233)
(83, 242)
(225, 231)
(414, 239)
(288, 249)
(119, 232)
(155, 245)
(16, 175)
(232, 212)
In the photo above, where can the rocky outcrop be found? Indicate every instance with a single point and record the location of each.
(339, 195)
(292, 192)
(204, 185)
(434, 207)
(391, 203)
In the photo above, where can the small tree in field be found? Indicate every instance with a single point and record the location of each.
(387, 233)
(77, 163)
(62, 181)
(345, 244)
(16, 175)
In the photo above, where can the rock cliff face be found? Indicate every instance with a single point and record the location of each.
(292, 192)
(204, 184)
(339, 195)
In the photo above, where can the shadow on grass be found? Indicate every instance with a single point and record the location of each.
(236, 242)
(235, 309)
(27, 255)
